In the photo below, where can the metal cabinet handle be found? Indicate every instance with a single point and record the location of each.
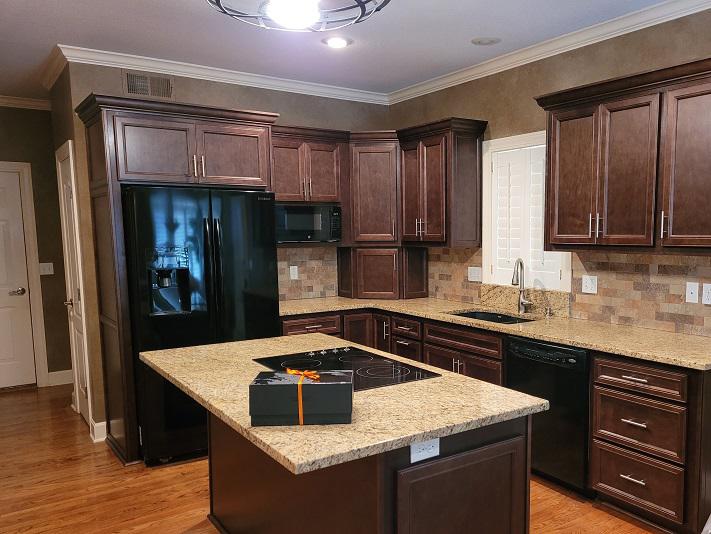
(635, 379)
(598, 225)
(311, 327)
(202, 165)
(634, 423)
(405, 328)
(17, 292)
(459, 366)
(69, 303)
(402, 342)
(590, 226)
(661, 229)
(633, 480)
(195, 173)
(385, 330)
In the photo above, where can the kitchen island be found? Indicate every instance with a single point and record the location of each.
(359, 478)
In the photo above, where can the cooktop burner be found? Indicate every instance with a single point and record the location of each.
(369, 370)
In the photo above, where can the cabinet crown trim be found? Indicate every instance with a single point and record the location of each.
(312, 134)
(474, 127)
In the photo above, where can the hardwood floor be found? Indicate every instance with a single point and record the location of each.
(54, 479)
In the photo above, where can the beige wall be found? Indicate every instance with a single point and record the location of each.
(506, 99)
(26, 135)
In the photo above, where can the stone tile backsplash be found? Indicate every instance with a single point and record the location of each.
(318, 272)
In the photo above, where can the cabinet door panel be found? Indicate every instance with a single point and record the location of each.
(407, 348)
(572, 185)
(381, 332)
(288, 170)
(686, 167)
(628, 171)
(234, 155)
(440, 357)
(358, 328)
(377, 273)
(155, 150)
(411, 192)
(323, 169)
(483, 369)
(434, 173)
(374, 192)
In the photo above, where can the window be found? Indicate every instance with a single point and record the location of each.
(514, 200)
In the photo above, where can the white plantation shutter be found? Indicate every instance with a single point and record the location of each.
(518, 200)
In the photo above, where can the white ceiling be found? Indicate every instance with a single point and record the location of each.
(409, 42)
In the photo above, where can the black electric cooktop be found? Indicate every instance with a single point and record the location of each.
(369, 370)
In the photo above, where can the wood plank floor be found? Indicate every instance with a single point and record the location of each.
(54, 479)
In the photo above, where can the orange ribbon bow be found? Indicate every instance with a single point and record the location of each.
(311, 375)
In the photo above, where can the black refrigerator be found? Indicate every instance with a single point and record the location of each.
(202, 269)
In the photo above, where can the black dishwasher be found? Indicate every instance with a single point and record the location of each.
(559, 440)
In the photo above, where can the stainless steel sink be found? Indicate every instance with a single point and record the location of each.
(493, 317)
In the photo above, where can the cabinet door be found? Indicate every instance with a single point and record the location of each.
(155, 150)
(381, 332)
(686, 167)
(433, 179)
(572, 176)
(411, 191)
(484, 490)
(358, 328)
(233, 154)
(407, 348)
(482, 368)
(628, 171)
(374, 192)
(377, 272)
(288, 170)
(413, 274)
(441, 357)
(323, 169)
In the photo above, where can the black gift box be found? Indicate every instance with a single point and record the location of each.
(274, 400)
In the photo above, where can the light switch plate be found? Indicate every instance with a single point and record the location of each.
(474, 274)
(424, 450)
(46, 269)
(294, 272)
(692, 292)
(706, 296)
(590, 284)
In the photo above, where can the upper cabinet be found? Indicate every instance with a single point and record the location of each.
(441, 182)
(308, 165)
(374, 187)
(629, 161)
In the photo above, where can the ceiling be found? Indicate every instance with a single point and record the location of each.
(409, 42)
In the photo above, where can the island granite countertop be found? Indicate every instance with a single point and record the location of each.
(683, 350)
(384, 419)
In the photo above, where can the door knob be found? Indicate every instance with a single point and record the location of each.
(69, 303)
(17, 292)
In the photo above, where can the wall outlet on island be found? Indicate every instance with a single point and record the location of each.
(294, 272)
(423, 450)
(474, 274)
(590, 284)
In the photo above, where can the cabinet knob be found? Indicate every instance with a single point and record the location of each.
(17, 292)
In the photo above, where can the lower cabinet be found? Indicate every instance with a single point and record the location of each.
(358, 328)
(312, 324)
(483, 490)
(407, 348)
(381, 332)
(470, 365)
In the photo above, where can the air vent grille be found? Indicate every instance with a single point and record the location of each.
(144, 84)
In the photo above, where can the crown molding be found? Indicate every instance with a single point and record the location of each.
(669, 10)
(53, 68)
(89, 56)
(24, 103)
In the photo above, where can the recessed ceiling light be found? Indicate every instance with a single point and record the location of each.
(337, 42)
(486, 41)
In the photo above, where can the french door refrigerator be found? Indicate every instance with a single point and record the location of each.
(202, 269)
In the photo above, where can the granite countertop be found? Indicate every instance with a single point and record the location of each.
(683, 350)
(384, 419)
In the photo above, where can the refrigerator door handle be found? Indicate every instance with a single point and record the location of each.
(219, 272)
(209, 270)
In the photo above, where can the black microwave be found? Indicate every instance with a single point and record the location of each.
(308, 223)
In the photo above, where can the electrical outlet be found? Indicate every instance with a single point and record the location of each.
(46, 269)
(692, 292)
(474, 274)
(590, 284)
(706, 295)
(423, 450)
(294, 272)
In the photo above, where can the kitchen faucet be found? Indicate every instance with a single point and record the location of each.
(518, 279)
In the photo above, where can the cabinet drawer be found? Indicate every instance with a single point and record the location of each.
(326, 324)
(491, 371)
(406, 327)
(641, 378)
(407, 348)
(464, 339)
(649, 426)
(643, 482)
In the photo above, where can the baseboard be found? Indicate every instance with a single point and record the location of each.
(58, 378)
(97, 431)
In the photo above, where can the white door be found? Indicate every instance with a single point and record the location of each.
(75, 306)
(17, 358)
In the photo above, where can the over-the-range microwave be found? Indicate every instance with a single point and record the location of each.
(308, 223)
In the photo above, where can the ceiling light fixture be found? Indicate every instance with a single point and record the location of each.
(300, 15)
(486, 41)
(337, 42)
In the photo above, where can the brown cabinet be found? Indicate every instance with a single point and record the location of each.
(486, 487)
(441, 182)
(374, 187)
(308, 164)
(407, 348)
(381, 332)
(358, 328)
(406, 327)
(377, 273)
(324, 324)
(465, 339)
(484, 369)
(686, 167)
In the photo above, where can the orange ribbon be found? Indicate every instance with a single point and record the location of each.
(311, 375)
